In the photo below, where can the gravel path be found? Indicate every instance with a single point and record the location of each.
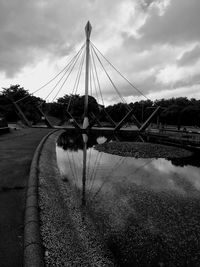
(69, 236)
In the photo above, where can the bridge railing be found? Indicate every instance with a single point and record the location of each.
(182, 137)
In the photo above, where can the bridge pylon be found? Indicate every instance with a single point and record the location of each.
(88, 29)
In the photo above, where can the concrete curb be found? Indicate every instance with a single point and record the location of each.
(33, 250)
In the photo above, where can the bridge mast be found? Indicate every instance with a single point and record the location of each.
(88, 29)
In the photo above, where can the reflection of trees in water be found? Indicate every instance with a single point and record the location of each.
(74, 140)
(152, 236)
(192, 160)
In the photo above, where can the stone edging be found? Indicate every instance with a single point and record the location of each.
(33, 252)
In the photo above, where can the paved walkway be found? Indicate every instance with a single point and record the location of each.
(16, 152)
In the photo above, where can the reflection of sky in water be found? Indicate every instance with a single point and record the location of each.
(147, 207)
(105, 169)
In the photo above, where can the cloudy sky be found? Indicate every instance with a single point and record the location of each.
(154, 43)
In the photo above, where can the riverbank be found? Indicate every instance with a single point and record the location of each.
(144, 208)
(17, 148)
(143, 150)
(68, 234)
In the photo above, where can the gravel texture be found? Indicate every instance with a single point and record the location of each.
(69, 236)
(143, 150)
(145, 229)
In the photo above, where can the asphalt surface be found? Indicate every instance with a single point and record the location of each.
(16, 152)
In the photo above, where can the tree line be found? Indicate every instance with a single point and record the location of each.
(174, 111)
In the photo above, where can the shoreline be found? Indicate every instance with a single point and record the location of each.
(69, 236)
(143, 150)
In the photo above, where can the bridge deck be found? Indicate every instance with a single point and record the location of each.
(186, 139)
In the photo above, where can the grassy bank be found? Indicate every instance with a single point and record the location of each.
(143, 150)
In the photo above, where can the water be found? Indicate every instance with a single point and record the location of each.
(147, 210)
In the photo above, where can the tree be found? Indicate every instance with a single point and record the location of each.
(190, 115)
(76, 105)
(117, 111)
(28, 105)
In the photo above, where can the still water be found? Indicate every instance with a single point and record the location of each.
(147, 210)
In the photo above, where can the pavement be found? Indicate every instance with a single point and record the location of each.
(16, 153)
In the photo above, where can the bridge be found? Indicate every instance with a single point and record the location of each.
(142, 131)
(89, 55)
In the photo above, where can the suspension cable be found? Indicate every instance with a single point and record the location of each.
(131, 84)
(40, 88)
(89, 164)
(73, 65)
(90, 77)
(114, 86)
(97, 78)
(116, 166)
(54, 87)
(94, 172)
(72, 171)
(94, 82)
(93, 169)
(76, 84)
(70, 68)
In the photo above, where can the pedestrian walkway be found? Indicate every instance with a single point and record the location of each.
(16, 152)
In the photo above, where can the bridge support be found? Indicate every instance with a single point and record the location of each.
(109, 118)
(69, 115)
(21, 114)
(46, 120)
(94, 119)
(148, 121)
(128, 115)
(84, 174)
(88, 29)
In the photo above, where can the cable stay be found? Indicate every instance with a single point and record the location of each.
(66, 78)
(111, 81)
(70, 69)
(74, 91)
(115, 168)
(130, 111)
(75, 178)
(40, 88)
(91, 55)
(130, 114)
(131, 84)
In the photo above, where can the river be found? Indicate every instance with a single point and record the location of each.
(147, 210)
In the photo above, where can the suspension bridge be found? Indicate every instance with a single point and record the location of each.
(88, 55)
(93, 60)
(72, 77)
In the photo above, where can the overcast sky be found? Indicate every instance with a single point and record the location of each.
(154, 43)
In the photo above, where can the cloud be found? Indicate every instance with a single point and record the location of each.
(31, 30)
(164, 53)
(154, 43)
(173, 74)
(190, 57)
(190, 92)
(178, 25)
(26, 34)
(175, 24)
